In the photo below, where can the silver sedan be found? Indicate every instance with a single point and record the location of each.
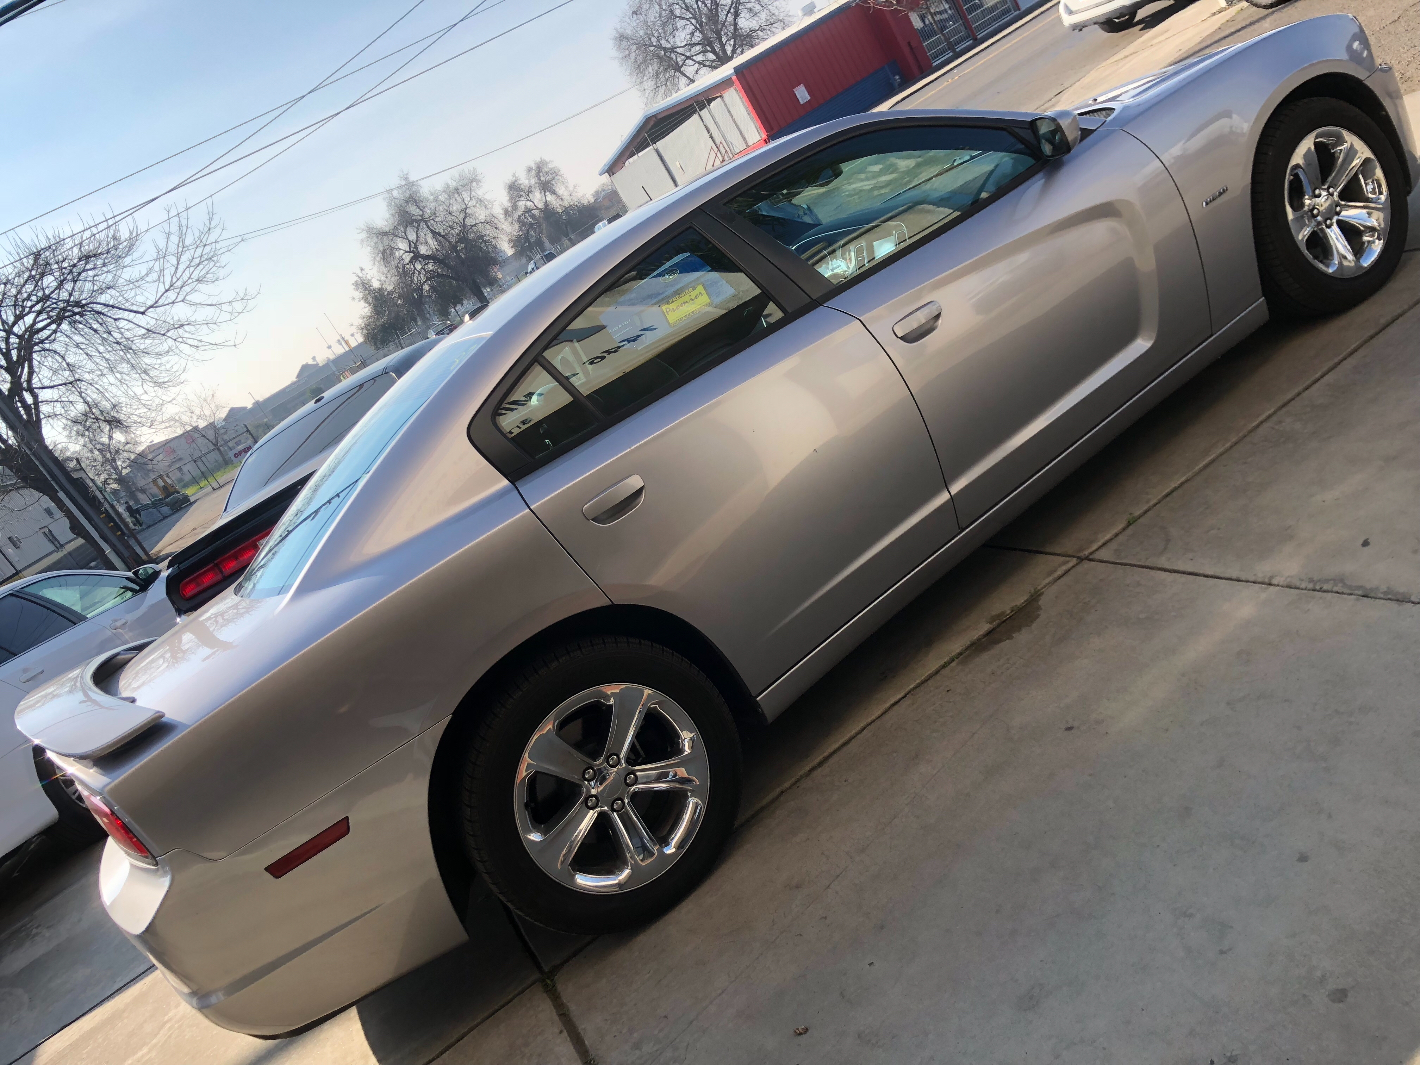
(511, 630)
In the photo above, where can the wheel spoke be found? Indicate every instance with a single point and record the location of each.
(549, 753)
(1310, 169)
(555, 849)
(1302, 226)
(1340, 248)
(1347, 164)
(683, 773)
(637, 842)
(628, 710)
(1367, 219)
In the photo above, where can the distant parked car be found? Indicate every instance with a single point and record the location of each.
(49, 624)
(272, 474)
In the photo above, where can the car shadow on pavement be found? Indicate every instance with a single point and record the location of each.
(1159, 16)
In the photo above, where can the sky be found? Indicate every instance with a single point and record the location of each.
(95, 89)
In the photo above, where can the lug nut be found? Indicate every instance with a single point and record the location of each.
(591, 802)
(618, 805)
(613, 761)
(630, 779)
(589, 774)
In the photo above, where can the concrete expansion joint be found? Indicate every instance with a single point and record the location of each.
(547, 979)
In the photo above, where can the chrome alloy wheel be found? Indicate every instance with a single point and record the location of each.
(1338, 205)
(611, 788)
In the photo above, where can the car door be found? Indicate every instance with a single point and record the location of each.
(41, 640)
(704, 441)
(116, 600)
(1024, 300)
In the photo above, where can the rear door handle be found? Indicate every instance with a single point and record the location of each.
(913, 327)
(30, 674)
(616, 502)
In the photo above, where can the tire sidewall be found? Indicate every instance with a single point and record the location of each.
(495, 844)
(1290, 281)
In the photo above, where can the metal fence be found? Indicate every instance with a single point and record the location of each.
(949, 28)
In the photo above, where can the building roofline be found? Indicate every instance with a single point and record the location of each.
(720, 76)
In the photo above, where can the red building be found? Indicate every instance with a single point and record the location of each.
(840, 61)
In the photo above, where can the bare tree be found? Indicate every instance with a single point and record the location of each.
(97, 320)
(434, 249)
(543, 209)
(664, 45)
(199, 411)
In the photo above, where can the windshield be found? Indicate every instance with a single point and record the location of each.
(300, 530)
(299, 441)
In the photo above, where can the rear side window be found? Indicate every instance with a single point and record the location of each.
(317, 431)
(671, 315)
(24, 625)
(867, 198)
(89, 594)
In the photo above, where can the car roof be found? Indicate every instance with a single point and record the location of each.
(398, 364)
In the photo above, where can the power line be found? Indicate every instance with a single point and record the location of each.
(277, 226)
(232, 129)
(311, 127)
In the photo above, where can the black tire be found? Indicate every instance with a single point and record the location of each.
(1267, 4)
(76, 827)
(495, 751)
(1118, 24)
(1293, 285)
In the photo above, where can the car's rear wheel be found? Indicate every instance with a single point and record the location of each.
(601, 785)
(1119, 23)
(1329, 209)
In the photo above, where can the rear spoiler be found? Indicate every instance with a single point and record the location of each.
(73, 716)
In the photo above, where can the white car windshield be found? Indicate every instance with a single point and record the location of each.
(303, 526)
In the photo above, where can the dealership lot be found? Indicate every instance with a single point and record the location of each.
(1131, 784)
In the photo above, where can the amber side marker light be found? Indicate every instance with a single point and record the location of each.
(309, 849)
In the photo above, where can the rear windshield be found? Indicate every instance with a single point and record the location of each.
(303, 526)
(305, 438)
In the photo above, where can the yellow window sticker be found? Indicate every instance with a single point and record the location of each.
(686, 304)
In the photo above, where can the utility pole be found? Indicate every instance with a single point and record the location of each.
(338, 333)
(120, 552)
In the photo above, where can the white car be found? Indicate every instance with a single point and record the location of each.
(50, 623)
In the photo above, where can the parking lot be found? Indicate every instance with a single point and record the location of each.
(1134, 783)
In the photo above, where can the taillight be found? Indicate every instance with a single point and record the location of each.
(116, 829)
(234, 561)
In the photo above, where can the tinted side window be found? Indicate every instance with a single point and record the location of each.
(302, 440)
(860, 201)
(24, 624)
(89, 594)
(672, 314)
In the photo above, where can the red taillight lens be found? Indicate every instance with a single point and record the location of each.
(117, 830)
(234, 561)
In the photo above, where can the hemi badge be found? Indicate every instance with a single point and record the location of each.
(309, 849)
(1215, 196)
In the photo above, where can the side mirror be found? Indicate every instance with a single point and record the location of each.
(146, 576)
(1056, 133)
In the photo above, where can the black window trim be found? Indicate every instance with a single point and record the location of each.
(819, 288)
(67, 613)
(509, 460)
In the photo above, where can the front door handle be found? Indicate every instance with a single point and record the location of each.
(913, 327)
(616, 502)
